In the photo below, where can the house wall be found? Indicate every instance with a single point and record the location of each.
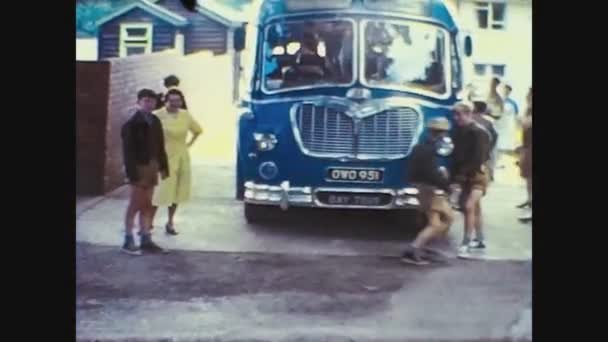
(203, 33)
(86, 49)
(163, 36)
(511, 47)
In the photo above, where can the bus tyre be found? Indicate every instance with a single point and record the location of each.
(256, 213)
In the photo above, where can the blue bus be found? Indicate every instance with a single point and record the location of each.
(339, 95)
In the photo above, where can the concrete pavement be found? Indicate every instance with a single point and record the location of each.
(213, 221)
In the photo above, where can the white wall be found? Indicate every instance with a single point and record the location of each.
(86, 49)
(511, 46)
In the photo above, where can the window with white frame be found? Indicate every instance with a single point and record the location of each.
(491, 14)
(489, 70)
(135, 39)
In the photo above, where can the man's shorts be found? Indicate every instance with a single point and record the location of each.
(441, 206)
(479, 181)
(434, 201)
(147, 175)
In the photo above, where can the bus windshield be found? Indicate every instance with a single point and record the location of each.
(306, 53)
(406, 56)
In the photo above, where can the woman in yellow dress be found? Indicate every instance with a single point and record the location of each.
(177, 122)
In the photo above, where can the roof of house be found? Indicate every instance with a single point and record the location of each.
(148, 6)
(81, 34)
(222, 14)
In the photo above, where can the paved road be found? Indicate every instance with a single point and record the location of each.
(281, 297)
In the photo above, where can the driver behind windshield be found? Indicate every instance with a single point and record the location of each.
(308, 66)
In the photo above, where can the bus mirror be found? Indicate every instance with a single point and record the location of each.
(468, 46)
(239, 39)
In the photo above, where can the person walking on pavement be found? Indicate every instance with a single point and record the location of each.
(507, 124)
(177, 122)
(525, 158)
(144, 158)
(496, 107)
(433, 186)
(469, 175)
(479, 110)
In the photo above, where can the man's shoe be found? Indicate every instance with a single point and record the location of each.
(412, 256)
(463, 251)
(476, 244)
(129, 246)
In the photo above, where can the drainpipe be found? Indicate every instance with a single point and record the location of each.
(179, 43)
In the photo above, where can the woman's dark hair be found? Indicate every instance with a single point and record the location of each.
(181, 96)
(174, 92)
(146, 93)
(171, 81)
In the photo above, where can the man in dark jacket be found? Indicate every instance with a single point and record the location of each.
(479, 110)
(433, 186)
(145, 158)
(469, 174)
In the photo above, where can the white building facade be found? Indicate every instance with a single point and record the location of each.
(501, 31)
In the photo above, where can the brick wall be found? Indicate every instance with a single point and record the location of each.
(92, 89)
(106, 98)
(127, 76)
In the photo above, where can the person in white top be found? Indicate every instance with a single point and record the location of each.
(495, 106)
(507, 124)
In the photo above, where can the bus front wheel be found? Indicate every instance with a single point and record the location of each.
(255, 213)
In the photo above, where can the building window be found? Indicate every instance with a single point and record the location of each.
(490, 14)
(135, 39)
(496, 70)
(480, 69)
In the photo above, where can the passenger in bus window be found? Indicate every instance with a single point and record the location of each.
(338, 38)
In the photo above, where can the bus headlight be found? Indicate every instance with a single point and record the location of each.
(268, 170)
(265, 141)
(445, 146)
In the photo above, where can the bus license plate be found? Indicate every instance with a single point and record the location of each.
(355, 175)
(354, 200)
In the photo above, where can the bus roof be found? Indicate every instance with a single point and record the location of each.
(434, 10)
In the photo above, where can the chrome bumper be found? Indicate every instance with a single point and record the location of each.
(285, 196)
